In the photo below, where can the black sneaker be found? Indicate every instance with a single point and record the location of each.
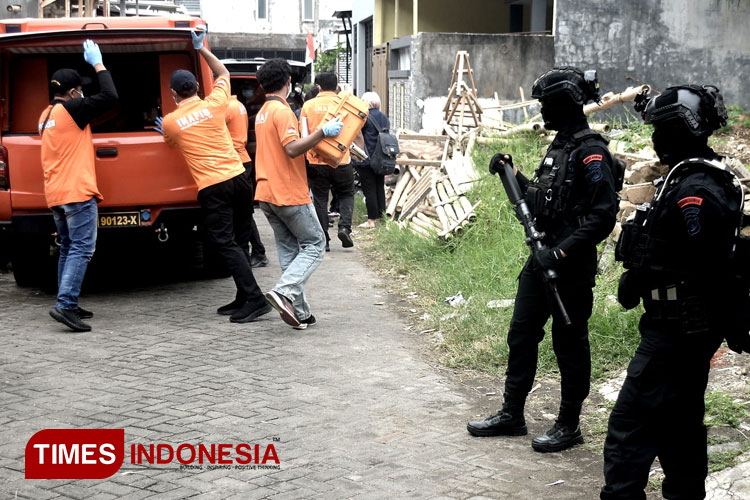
(249, 312)
(303, 324)
(345, 235)
(70, 319)
(500, 424)
(284, 306)
(231, 308)
(258, 261)
(328, 247)
(559, 437)
(84, 314)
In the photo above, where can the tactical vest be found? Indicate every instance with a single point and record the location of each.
(639, 248)
(550, 192)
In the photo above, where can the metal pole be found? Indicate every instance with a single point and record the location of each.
(123, 8)
(137, 11)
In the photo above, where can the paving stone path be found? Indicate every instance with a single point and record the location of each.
(353, 407)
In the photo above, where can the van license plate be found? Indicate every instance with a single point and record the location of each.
(120, 219)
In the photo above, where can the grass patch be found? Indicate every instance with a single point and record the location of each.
(737, 116)
(722, 409)
(483, 264)
(724, 460)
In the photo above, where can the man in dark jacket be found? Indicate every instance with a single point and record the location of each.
(70, 177)
(574, 202)
(681, 252)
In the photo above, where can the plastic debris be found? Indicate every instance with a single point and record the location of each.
(502, 303)
(456, 300)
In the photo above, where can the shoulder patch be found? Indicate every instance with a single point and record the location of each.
(690, 200)
(594, 170)
(692, 219)
(591, 158)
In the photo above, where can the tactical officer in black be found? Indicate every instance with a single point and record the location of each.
(574, 202)
(683, 256)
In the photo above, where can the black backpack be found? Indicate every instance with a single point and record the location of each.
(383, 158)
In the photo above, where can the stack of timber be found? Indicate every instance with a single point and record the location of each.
(428, 197)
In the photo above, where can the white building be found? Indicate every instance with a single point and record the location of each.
(242, 29)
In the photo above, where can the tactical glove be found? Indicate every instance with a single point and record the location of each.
(499, 161)
(548, 258)
(628, 290)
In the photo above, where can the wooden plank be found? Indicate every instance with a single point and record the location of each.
(418, 193)
(458, 222)
(451, 95)
(418, 163)
(418, 137)
(397, 192)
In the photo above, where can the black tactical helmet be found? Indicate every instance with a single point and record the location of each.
(698, 109)
(566, 80)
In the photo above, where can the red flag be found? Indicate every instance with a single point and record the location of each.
(309, 50)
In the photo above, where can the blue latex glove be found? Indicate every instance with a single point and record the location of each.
(333, 127)
(91, 53)
(159, 128)
(199, 34)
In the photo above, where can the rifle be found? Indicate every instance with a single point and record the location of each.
(533, 237)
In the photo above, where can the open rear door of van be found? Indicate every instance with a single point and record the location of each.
(136, 170)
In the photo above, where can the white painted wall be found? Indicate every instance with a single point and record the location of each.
(284, 16)
(362, 10)
(232, 16)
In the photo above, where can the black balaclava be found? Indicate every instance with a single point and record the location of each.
(674, 144)
(560, 112)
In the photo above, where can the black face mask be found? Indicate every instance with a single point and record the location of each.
(557, 113)
(674, 144)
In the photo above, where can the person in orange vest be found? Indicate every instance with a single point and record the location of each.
(323, 177)
(198, 128)
(284, 195)
(237, 125)
(70, 177)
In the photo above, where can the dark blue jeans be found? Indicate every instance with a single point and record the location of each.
(76, 227)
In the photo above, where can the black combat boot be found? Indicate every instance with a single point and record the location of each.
(565, 433)
(507, 422)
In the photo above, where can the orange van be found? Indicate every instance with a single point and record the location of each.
(146, 184)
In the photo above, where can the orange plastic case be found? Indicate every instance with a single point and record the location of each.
(353, 112)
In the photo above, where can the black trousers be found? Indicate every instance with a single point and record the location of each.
(227, 210)
(532, 309)
(321, 179)
(659, 413)
(373, 187)
(256, 245)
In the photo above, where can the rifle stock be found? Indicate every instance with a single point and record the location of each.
(533, 236)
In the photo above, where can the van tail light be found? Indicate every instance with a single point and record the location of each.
(4, 174)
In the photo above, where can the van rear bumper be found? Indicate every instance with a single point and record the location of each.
(170, 217)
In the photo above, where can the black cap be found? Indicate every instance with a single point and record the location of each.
(65, 79)
(183, 80)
